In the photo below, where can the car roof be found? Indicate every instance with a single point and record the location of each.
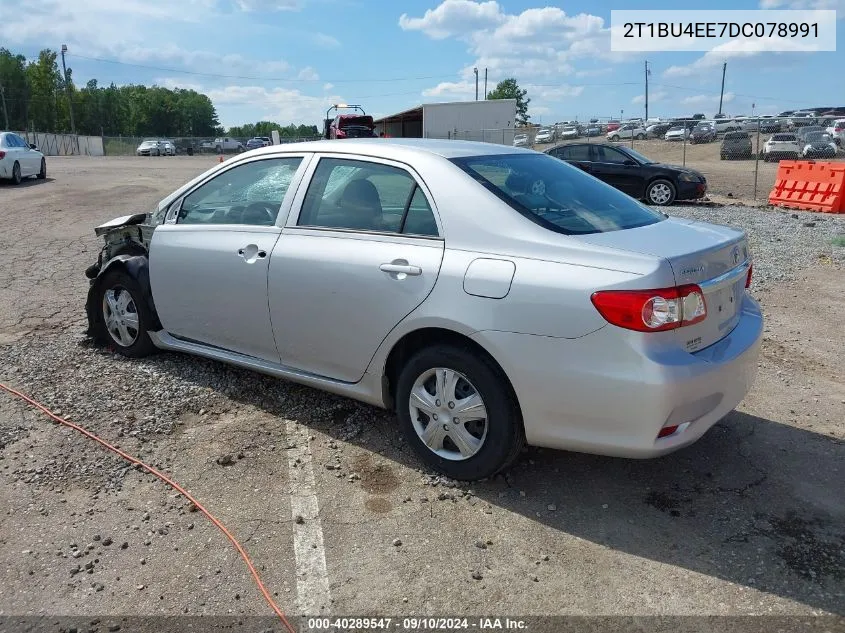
(396, 148)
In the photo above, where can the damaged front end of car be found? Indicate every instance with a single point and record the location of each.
(126, 243)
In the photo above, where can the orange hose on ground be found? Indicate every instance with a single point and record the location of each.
(170, 483)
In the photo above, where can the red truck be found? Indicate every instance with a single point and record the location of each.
(349, 125)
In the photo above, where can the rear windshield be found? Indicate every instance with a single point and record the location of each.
(356, 121)
(733, 136)
(783, 137)
(556, 195)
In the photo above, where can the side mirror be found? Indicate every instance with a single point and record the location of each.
(33, 146)
(629, 162)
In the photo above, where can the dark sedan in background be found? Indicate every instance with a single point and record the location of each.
(633, 173)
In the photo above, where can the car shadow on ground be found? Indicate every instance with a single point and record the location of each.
(26, 182)
(754, 502)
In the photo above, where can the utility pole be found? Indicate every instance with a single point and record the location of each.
(647, 72)
(67, 90)
(722, 93)
(475, 70)
(485, 84)
(5, 113)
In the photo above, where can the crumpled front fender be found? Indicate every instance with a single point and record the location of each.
(138, 268)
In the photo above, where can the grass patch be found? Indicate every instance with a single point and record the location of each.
(839, 240)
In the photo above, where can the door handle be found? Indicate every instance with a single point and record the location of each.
(251, 252)
(401, 269)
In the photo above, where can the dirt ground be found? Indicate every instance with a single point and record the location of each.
(750, 520)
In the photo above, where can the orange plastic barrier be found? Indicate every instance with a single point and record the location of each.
(808, 185)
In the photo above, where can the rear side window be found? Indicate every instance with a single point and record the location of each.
(555, 194)
(573, 152)
(365, 196)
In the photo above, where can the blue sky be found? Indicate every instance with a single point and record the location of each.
(289, 60)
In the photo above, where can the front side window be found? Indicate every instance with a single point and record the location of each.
(556, 195)
(251, 193)
(574, 152)
(365, 196)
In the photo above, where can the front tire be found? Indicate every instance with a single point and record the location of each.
(615, 137)
(660, 192)
(640, 137)
(124, 315)
(43, 173)
(457, 411)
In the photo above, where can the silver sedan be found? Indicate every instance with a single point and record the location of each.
(491, 296)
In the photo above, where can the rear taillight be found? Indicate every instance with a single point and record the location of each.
(748, 276)
(2, 155)
(652, 310)
(666, 431)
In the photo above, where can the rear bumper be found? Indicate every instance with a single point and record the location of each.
(611, 392)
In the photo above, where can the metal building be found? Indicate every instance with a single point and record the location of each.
(491, 121)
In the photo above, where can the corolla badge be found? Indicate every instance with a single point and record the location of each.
(693, 271)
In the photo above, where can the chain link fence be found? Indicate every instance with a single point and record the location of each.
(130, 145)
(737, 157)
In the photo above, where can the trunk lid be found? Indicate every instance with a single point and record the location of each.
(714, 257)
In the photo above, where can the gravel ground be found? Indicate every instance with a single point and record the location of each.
(747, 521)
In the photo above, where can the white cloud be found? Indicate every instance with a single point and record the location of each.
(238, 104)
(268, 5)
(458, 89)
(594, 72)
(308, 74)
(705, 100)
(324, 40)
(653, 97)
(837, 5)
(536, 43)
(453, 18)
(328, 86)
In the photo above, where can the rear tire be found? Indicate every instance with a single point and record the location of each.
(123, 315)
(43, 173)
(475, 382)
(640, 137)
(16, 174)
(615, 137)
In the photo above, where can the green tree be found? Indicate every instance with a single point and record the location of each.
(509, 89)
(45, 82)
(15, 87)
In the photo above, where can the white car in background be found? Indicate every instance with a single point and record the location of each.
(19, 159)
(786, 145)
(627, 131)
(520, 140)
(837, 132)
(168, 148)
(545, 135)
(150, 147)
(569, 132)
(676, 133)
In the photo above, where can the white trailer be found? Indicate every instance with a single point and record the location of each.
(490, 121)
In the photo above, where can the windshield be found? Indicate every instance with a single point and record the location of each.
(817, 137)
(556, 195)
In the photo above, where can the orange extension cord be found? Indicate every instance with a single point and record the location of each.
(170, 483)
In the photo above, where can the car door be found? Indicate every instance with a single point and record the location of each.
(209, 260)
(23, 154)
(361, 250)
(612, 166)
